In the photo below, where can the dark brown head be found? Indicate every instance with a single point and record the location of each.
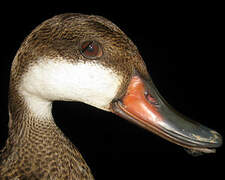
(75, 57)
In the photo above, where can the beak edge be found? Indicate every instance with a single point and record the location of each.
(140, 107)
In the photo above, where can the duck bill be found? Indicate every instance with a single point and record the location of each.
(143, 105)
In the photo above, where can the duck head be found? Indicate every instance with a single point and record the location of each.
(75, 57)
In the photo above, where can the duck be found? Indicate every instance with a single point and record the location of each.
(82, 58)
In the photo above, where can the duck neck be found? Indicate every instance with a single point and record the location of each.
(30, 116)
(36, 137)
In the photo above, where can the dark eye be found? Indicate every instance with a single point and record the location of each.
(91, 49)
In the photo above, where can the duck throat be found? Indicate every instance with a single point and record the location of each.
(36, 145)
(30, 117)
(26, 112)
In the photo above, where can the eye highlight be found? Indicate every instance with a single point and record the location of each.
(91, 49)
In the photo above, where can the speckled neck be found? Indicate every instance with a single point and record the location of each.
(37, 148)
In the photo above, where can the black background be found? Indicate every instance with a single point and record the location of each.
(182, 45)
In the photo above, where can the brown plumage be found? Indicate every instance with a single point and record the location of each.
(36, 148)
(58, 61)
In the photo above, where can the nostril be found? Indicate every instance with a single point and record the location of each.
(151, 99)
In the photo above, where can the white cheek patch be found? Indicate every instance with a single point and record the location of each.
(90, 83)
